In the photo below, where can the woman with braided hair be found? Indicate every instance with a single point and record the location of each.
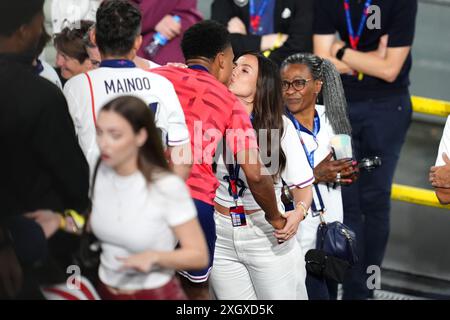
(304, 76)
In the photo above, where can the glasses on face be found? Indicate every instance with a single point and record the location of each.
(298, 84)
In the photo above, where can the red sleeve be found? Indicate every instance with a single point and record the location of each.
(240, 134)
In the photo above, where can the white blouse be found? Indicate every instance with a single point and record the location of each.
(130, 216)
(297, 172)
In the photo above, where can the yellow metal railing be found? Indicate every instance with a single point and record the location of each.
(421, 196)
(431, 106)
(416, 195)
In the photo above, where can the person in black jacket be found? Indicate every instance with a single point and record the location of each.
(42, 164)
(278, 28)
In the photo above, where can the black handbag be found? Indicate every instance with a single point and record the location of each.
(335, 249)
(88, 255)
(323, 265)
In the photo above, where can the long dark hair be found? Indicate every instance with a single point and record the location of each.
(268, 107)
(151, 155)
(332, 89)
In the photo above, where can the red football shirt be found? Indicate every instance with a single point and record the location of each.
(211, 112)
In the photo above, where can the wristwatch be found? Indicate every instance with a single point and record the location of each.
(340, 52)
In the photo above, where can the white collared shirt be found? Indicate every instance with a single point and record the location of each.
(331, 197)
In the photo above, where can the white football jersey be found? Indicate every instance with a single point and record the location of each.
(87, 93)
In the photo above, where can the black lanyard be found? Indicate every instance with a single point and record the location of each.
(236, 186)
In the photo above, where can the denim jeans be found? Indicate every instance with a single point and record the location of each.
(249, 263)
(379, 129)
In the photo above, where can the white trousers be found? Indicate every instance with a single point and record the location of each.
(249, 263)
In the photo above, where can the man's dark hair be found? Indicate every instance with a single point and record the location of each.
(16, 13)
(118, 24)
(205, 39)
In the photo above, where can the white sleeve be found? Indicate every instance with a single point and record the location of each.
(77, 94)
(444, 146)
(298, 172)
(180, 207)
(177, 130)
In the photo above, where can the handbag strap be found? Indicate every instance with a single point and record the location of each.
(91, 196)
(319, 198)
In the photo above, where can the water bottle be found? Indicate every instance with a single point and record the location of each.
(158, 41)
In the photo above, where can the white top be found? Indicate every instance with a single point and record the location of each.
(444, 146)
(50, 74)
(109, 83)
(297, 172)
(332, 198)
(130, 216)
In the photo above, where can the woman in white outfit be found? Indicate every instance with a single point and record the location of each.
(249, 262)
(304, 76)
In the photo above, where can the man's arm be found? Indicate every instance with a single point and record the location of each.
(261, 185)
(443, 195)
(440, 180)
(180, 160)
(302, 201)
(387, 68)
(322, 48)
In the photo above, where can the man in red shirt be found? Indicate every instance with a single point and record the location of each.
(213, 112)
